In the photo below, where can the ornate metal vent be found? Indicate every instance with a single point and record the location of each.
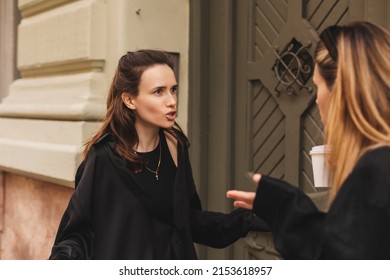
(293, 67)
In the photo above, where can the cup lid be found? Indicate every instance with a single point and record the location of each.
(320, 149)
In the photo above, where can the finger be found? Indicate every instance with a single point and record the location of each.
(243, 204)
(241, 195)
(256, 178)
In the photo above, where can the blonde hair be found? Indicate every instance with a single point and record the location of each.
(359, 109)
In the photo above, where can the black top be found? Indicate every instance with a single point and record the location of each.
(110, 216)
(357, 225)
(161, 190)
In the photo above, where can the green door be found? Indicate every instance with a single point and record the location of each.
(275, 99)
(253, 100)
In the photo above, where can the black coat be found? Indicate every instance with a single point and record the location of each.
(357, 225)
(111, 217)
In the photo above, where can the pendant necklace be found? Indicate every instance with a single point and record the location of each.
(158, 164)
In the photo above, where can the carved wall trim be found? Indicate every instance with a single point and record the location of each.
(29, 8)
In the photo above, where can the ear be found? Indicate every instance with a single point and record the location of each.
(128, 100)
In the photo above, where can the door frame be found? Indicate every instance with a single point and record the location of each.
(210, 106)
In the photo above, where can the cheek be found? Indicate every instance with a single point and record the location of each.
(322, 102)
(149, 107)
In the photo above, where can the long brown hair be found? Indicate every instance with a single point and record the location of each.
(120, 120)
(359, 108)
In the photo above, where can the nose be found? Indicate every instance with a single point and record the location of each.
(171, 101)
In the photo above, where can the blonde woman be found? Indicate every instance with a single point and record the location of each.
(352, 70)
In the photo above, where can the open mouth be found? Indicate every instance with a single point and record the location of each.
(171, 116)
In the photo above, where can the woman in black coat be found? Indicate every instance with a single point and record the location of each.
(135, 197)
(352, 70)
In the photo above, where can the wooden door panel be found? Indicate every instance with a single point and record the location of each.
(323, 13)
(268, 132)
(275, 109)
(238, 121)
(312, 135)
(279, 104)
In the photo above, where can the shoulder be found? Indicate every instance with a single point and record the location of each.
(98, 157)
(107, 138)
(371, 177)
(100, 150)
(98, 147)
(377, 159)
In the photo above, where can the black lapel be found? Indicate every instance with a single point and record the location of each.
(178, 186)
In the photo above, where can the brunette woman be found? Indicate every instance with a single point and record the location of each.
(135, 197)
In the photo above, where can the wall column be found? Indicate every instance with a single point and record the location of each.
(67, 51)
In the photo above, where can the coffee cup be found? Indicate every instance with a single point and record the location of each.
(320, 166)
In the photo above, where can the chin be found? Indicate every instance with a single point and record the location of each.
(167, 125)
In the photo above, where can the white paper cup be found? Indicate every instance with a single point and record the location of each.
(320, 166)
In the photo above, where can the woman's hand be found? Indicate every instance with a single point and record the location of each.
(244, 199)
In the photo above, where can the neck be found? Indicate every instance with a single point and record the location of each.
(148, 139)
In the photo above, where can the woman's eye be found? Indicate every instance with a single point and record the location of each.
(158, 91)
(174, 90)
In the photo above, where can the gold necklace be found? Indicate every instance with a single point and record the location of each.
(158, 164)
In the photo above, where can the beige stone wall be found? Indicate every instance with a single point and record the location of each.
(67, 51)
(8, 17)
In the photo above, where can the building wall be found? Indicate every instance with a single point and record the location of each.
(33, 209)
(67, 52)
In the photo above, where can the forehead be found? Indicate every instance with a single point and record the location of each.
(159, 73)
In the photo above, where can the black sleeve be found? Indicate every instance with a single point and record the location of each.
(296, 223)
(74, 237)
(357, 225)
(217, 229)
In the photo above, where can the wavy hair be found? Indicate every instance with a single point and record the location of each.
(359, 108)
(119, 120)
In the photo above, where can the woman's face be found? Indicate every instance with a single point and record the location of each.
(155, 104)
(323, 94)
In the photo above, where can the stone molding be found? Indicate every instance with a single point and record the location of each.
(73, 35)
(68, 97)
(8, 18)
(32, 7)
(43, 149)
(63, 68)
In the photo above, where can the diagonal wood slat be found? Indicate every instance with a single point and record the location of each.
(269, 125)
(273, 160)
(272, 15)
(281, 8)
(264, 114)
(265, 148)
(310, 8)
(312, 135)
(270, 18)
(325, 13)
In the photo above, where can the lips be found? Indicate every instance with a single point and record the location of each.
(171, 116)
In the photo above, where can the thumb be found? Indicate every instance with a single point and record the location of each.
(256, 178)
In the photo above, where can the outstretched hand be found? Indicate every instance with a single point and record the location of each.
(244, 199)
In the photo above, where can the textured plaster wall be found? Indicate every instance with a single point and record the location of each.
(32, 212)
